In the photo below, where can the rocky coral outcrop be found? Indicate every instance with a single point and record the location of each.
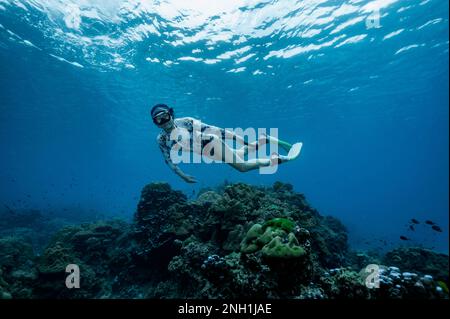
(99, 251)
(17, 268)
(235, 241)
(420, 260)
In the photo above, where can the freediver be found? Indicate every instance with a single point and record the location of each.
(207, 138)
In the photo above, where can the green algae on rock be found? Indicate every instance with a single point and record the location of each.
(276, 248)
(274, 239)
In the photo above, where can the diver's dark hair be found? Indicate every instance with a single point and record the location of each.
(161, 107)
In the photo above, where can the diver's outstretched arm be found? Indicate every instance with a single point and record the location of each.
(187, 178)
(166, 153)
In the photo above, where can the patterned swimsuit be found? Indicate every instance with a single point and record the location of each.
(196, 135)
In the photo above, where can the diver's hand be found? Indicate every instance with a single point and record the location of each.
(189, 179)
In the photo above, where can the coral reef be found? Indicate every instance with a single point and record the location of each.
(100, 251)
(17, 268)
(37, 228)
(420, 260)
(394, 284)
(235, 241)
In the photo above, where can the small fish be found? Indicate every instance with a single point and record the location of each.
(414, 221)
(404, 238)
(411, 227)
(436, 228)
(429, 222)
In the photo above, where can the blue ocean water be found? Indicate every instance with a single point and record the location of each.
(363, 84)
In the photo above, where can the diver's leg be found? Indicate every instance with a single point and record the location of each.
(253, 146)
(249, 165)
(252, 164)
(244, 166)
(273, 140)
(223, 152)
(262, 140)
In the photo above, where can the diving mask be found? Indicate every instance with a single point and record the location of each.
(161, 118)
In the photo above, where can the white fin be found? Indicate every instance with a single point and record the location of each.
(294, 152)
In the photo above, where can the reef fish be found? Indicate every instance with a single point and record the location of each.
(404, 238)
(414, 221)
(429, 222)
(436, 228)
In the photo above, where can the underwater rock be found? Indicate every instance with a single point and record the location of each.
(394, 283)
(14, 253)
(330, 241)
(163, 216)
(38, 227)
(417, 259)
(208, 198)
(361, 259)
(97, 249)
(234, 238)
(343, 283)
(156, 198)
(17, 268)
(4, 286)
(209, 275)
(238, 241)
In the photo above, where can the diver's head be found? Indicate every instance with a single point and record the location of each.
(162, 116)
